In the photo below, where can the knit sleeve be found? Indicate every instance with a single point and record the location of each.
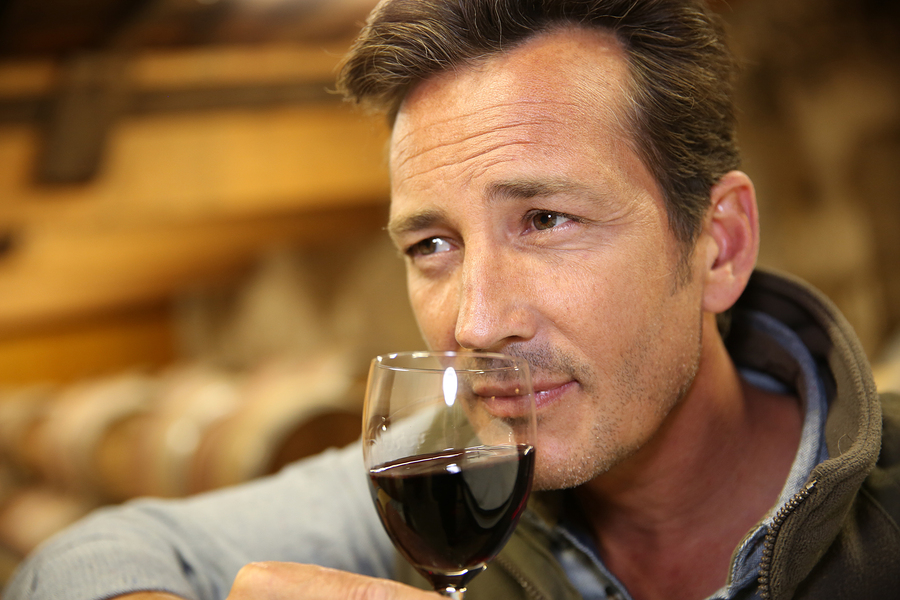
(314, 511)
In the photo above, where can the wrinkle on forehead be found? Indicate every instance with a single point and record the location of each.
(487, 129)
(494, 117)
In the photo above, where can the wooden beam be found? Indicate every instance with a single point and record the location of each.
(59, 275)
(97, 346)
(213, 67)
(79, 101)
(170, 80)
(82, 113)
(218, 165)
(184, 196)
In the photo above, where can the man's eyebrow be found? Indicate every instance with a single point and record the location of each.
(415, 222)
(518, 189)
(525, 188)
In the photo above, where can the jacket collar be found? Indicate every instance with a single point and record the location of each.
(810, 524)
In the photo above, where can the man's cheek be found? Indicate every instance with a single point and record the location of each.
(436, 318)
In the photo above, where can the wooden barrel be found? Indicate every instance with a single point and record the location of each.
(290, 409)
(193, 428)
(22, 413)
(76, 422)
(35, 513)
(119, 458)
(192, 399)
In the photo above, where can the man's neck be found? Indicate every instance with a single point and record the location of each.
(667, 520)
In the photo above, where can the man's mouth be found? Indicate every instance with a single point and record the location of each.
(546, 394)
(509, 401)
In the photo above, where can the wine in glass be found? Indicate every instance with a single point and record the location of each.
(449, 446)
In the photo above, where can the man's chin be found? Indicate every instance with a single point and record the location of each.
(561, 475)
(568, 465)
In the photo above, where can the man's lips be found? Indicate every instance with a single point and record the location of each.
(502, 401)
(546, 394)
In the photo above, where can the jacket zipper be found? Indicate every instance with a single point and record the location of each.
(765, 563)
(530, 590)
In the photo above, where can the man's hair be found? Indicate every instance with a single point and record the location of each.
(681, 112)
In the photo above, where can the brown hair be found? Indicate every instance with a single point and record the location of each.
(682, 116)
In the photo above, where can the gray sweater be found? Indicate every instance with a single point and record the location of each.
(315, 511)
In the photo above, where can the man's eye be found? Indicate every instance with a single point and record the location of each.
(428, 246)
(548, 220)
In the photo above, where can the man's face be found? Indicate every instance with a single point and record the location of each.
(531, 227)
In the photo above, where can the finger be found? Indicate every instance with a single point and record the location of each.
(284, 581)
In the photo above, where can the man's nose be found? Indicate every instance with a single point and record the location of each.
(494, 303)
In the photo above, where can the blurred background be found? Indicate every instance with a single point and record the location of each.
(193, 272)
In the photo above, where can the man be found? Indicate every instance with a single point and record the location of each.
(564, 188)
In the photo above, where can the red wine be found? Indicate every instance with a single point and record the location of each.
(449, 513)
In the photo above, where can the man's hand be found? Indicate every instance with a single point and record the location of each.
(292, 581)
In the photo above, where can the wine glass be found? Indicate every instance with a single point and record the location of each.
(449, 447)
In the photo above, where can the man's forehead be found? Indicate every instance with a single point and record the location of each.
(589, 64)
(509, 110)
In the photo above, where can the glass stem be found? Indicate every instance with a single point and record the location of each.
(452, 593)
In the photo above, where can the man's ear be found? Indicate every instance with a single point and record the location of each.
(732, 231)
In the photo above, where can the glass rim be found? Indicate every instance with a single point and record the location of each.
(380, 360)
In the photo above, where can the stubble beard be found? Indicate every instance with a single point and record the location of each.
(605, 447)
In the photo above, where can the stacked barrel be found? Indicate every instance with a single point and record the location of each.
(66, 450)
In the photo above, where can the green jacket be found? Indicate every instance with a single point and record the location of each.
(838, 537)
